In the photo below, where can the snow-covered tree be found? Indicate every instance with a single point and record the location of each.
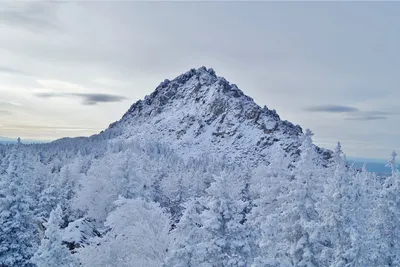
(302, 219)
(367, 220)
(18, 233)
(174, 191)
(137, 236)
(98, 190)
(51, 251)
(220, 237)
(389, 205)
(337, 210)
(392, 163)
(291, 233)
(267, 184)
(186, 248)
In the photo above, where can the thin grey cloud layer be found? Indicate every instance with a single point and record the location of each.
(5, 112)
(369, 116)
(7, 70)
(88, 99)
(36, 16)
(46, 127)
(93, 99)
(352, 113)
(366, 118)
(332, 109)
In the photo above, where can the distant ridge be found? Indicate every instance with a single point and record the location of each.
(7, 140)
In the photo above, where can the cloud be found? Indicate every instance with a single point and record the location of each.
(111, 82)
(88, 98)
(5, 112)
(377, 113)
(7, 70)
(352, 113)
(57, 85)
(9, 103)
(371, 115)
(45, 127)
(367, 118)
(93, 99)
(50, 95)
(332, 109)
(33, 16)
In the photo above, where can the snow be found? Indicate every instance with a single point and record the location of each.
(79, 232)
(196, 174)
(200, 113)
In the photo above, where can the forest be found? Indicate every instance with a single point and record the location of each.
(127, 203)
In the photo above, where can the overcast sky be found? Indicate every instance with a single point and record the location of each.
(72, 68)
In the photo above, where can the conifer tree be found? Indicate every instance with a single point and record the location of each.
(390, 207)
(297, 215)
(220, 237)
(51, 251)
(137, 236)
(18, 234)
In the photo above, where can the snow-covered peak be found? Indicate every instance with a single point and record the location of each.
(200, 113)
(196, 84)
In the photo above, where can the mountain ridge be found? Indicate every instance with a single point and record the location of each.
(201, 110)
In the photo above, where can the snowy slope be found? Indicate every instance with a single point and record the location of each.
(200, 113)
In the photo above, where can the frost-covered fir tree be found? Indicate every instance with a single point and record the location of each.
(302, 229)
(97, 192)
(392, 164)
(137, 236)
(18, 233)
(335, 208)
(369, 247)
(174, 192)
(267, 184)
(48, 199)
(221, 237)
(51, 251)
(186, 247)
(390, 211)
(293, 226)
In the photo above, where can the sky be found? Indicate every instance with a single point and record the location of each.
(72, 68)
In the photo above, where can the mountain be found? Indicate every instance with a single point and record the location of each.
(200, 113)
(196, 174)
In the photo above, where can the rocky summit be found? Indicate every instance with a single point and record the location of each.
(200, 113)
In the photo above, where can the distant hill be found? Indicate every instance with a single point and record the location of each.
(373, 165)
(6, 140)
